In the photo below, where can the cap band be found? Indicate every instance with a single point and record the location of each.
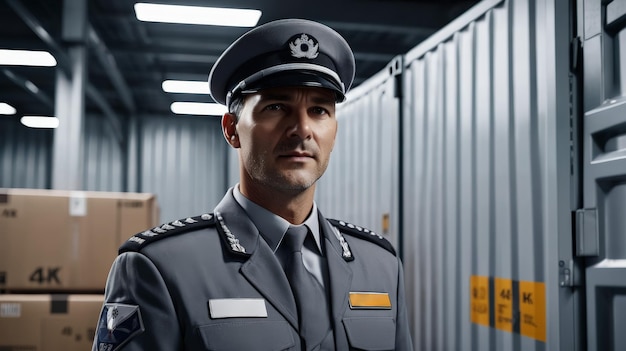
(284, 68)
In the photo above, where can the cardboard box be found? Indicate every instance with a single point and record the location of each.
(66, 241)
(48, 322)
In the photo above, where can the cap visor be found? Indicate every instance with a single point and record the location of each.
(295, 79)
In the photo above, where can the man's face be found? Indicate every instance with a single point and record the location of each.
(286, 136)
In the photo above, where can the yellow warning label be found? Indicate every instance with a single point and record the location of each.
(503, 304)
(479, 299)
(532, 305)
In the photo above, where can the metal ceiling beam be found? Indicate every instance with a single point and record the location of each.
(64, 62)
(110, 66)
(29, 86)
(381, 28)
(34, 24)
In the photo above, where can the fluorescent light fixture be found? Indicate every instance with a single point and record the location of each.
(6, 109)
(40, 121)
(198, 108)
(26, 58)
(213, 16)
(186, 86)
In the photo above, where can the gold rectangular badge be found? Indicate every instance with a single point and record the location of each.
(369, 300)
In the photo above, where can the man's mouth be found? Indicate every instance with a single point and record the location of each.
(297, 155)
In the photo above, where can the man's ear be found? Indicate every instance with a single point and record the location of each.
(229, 128)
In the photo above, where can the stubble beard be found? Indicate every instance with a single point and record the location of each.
(292, 181)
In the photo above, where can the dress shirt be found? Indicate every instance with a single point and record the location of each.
(273, 227)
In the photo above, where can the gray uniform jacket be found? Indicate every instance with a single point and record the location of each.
(189, 285)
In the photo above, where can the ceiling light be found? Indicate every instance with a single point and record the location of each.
(40, 121)
(26, 58)
(214, 16)
(6, 109)
(198, 108)
(185, 86)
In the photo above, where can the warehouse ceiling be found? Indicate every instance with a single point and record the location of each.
(127, 60)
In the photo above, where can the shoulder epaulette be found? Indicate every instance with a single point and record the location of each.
(139, 240)
(363, 233)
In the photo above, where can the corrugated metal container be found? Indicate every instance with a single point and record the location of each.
(180, 159)
(487, 160)
(183, 161)
(601, 224)
(103, 156)
(361, 184)
(232, 155)
(24, 155)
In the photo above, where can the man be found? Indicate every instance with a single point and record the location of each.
(237, 278)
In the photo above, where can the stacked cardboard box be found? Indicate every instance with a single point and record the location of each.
(40, 322)
(56, 249)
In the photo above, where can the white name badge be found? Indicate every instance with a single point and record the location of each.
(237, 308)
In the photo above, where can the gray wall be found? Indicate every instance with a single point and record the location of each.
(24, 155)
(487, 159)
(183, 161)
(103, 157)
(488, 183)
(180, 159)
(361, 184)
(602, 232)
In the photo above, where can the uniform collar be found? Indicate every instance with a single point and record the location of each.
(271, 226)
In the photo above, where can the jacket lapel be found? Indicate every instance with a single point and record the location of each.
(340, 274)
(262, 268)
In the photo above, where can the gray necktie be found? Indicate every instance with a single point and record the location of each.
(313, 314)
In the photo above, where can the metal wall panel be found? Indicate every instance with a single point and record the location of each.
(103, 156)
(603, 224)
(232, 177)
(361, 184)
(486, 159)
(24, 155)
(183, 161)
(180, 159)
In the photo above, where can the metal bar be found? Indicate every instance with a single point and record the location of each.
(31, 21)
(97, 98)
(64, 63)
(29, 86)
(108, 62)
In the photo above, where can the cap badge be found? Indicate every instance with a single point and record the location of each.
(304, 47)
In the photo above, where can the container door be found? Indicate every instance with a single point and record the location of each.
(361, 185)
(601, 227)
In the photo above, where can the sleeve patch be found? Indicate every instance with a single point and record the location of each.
(117, 325)
(363, 233)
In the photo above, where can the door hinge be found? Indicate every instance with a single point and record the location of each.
(587, 240)
(568, 274)
(575, 54)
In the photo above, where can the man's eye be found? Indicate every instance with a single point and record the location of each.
(319, 110)
(273, 107)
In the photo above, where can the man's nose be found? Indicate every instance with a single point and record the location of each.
(300, 124)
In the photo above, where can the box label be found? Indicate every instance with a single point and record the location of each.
(504, 304)
(532, 302)
(45, 275)
(479, 299)
(509, 305)
(78, 204)
(10, 310)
